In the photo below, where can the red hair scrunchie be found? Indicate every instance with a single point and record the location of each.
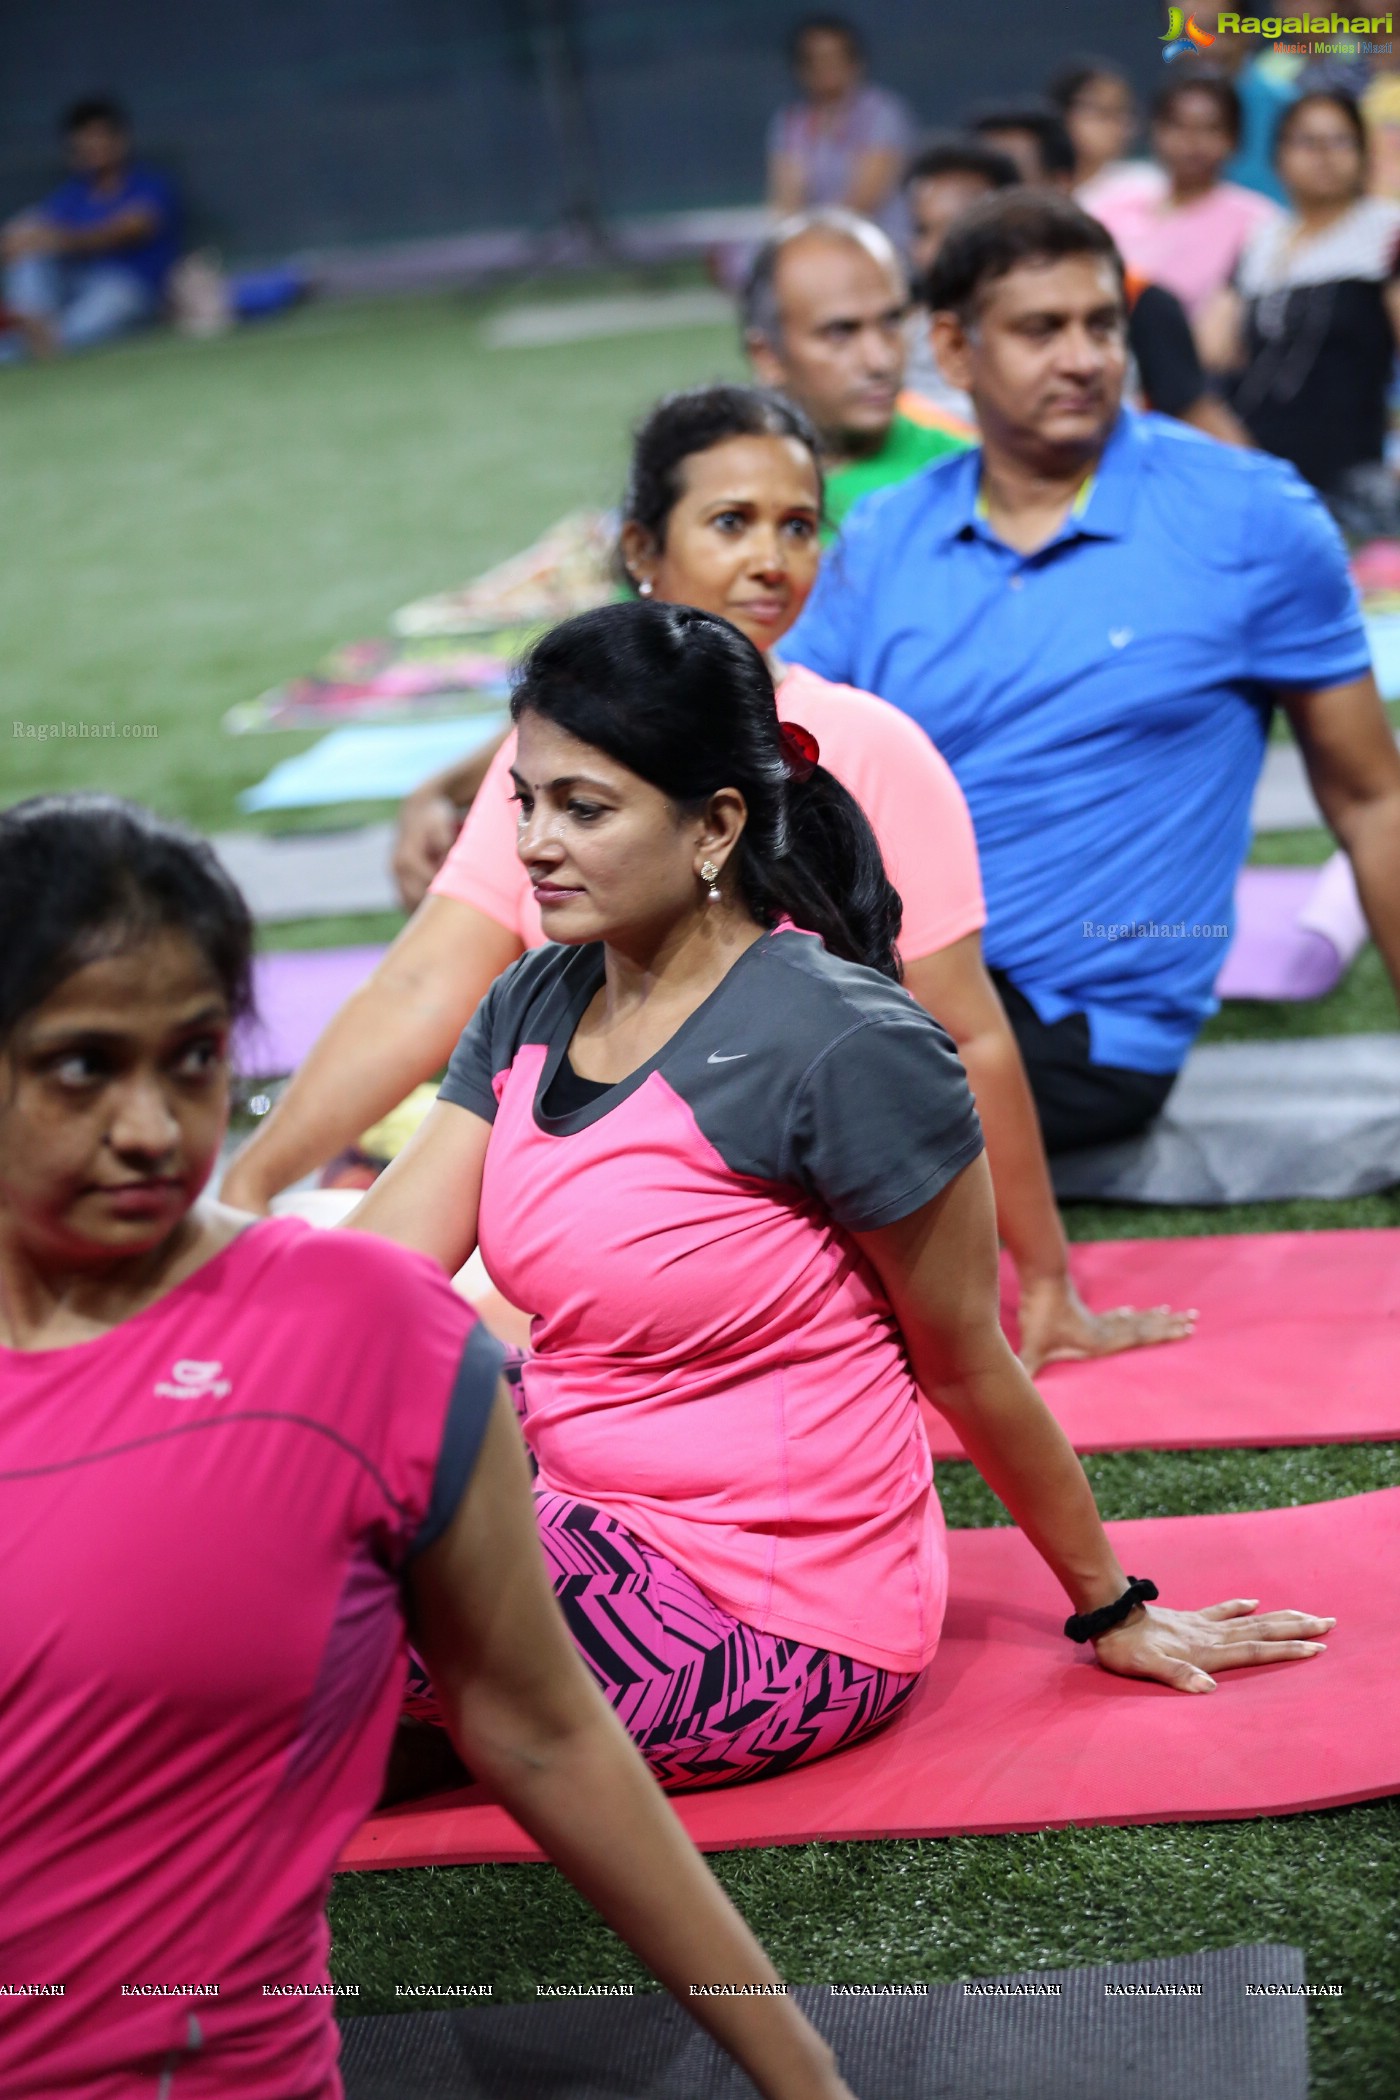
(801, 751)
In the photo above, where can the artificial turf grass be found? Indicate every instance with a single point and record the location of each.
(936, 1910)
(190, 523)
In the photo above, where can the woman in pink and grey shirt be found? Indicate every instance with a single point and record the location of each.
(723, 511)
(735, 1174)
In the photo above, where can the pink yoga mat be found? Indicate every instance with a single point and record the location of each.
(1296, 931)
(297, 992)
(1298, 1342)
(1012, 1729)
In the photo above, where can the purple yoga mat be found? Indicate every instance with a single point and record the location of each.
(296, 993)
(1298, 930)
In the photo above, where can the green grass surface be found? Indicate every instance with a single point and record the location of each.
(186, 524)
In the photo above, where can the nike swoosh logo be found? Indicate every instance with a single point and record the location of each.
(732, 1058)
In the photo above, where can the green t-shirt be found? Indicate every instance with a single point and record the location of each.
(907, 447)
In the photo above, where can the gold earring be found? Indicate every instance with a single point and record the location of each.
(710, 873)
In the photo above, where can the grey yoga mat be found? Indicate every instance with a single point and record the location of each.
(311, 875)
(1136, 2028)
(1284, 800)
(1258, 1123)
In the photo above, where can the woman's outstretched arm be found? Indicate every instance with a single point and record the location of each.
(1056, 1324)
(530, 1722)
(939, 1270)
(396, 1031)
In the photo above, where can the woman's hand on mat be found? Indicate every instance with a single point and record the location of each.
(1182, 1648)
(1058, 1327)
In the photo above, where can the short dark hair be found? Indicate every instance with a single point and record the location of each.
(999, 233)
(1065, 89)
(1221, 92)
(683, 424)
(758, 295)
(962, 153)
(1339, 99)
(84, 875)
(685, 701)
(94, 109)
(826, 25)
(1045, 125)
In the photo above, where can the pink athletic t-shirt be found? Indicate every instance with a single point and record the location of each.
(1193, 249)
(205, 1516)
(903, 784)
(715, 1364)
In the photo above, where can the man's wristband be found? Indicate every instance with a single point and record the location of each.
(1088, 1625)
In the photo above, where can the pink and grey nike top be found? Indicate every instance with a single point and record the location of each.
(715, 1364)
(205, 1518)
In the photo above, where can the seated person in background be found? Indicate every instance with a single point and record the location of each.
(235, 1454)
(1099, 110)
(722, 511)
(1189, 228)
(823, 311)
(1310, 325)
(92, 260)
(845, 142)
(1092, 616)
(940, 182)
(735, 1173)
(1168, 366)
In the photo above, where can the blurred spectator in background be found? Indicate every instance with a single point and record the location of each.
(1166, 369)
(1099, 111)
(1189, 230)
(1380, 108)
(940, 183)
(1311, 323)
(845, 142)
(92, 260)
(823, 311)
(1031, 134)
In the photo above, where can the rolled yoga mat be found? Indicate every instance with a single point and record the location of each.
(1012, 1728)
(1298, 1342)
(1134, 2029)
(1258, 1123)
(1297, 931)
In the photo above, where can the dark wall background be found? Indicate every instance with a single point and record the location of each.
(293, 123)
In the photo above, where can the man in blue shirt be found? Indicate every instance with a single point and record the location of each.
(92, 260)
(1093, 616)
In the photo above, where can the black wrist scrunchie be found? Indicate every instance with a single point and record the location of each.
(1088, 1625)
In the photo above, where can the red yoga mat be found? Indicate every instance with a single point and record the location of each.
(1298, 1342)
(1012, 1729)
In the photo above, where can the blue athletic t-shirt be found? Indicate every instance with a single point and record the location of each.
(78, 206)
(1103, 701)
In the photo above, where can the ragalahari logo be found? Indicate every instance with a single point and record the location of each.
(1182, 35)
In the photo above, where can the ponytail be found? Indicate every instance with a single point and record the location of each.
(685, 701)
(830, 878)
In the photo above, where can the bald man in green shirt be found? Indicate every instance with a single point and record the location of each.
(824, 308)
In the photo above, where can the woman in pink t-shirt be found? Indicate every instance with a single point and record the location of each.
(1186, 228)
(233, 1452)
(722, 512)
(734, 1171)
